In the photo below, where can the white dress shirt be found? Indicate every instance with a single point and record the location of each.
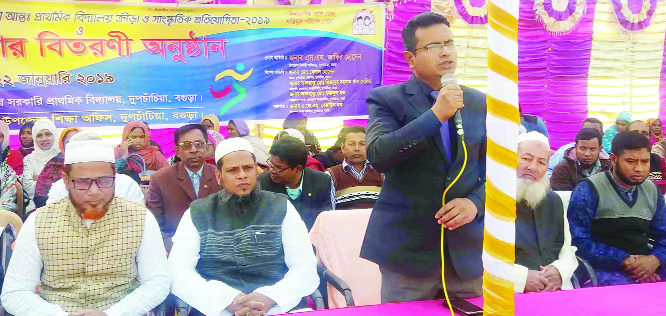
(126, 188)
(566, 264)
(213, 297)
(25, 268)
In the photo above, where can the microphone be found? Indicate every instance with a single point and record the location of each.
(446, 80)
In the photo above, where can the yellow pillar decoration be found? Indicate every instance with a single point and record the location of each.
(502, 126)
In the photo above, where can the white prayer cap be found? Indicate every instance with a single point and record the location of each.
(294, 133)
(88, 147)
(533, 136)
(232, 145)
(84, 135)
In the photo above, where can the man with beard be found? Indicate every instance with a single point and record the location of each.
(612, 215)
(580, 162)
(242, 251)
(86, 252)
(124, 186)
(173, 188)
(545, 259)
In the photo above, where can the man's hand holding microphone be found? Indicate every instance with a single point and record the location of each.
(460, 211)
(449, 100)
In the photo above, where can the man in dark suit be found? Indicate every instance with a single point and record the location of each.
(412, 139)
(173, 188)
(308, 190)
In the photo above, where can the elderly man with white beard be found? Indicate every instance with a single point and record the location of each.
(545, 259)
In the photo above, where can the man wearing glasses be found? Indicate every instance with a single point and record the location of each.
(413, 140)
(173, 188)
(308, 190)
(85, 253)
(125, 186)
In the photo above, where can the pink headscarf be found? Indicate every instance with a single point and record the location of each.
(4, 129)
(215, 137)
(151, 155)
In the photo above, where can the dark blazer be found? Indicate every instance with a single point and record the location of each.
(171, 193)
(314, 199)
(404, 142)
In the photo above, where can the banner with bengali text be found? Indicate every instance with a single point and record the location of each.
(101, 64)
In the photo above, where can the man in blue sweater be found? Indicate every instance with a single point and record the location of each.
(612, 232)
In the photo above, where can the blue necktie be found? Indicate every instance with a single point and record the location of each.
(444, 130)
(196, 181)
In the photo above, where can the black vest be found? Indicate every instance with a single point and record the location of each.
(244, 253)
(539, 232)
(315, 195)
(617, 222)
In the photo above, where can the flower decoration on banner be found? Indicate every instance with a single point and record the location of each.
(560, 17)
(634, 15)
(472, 13)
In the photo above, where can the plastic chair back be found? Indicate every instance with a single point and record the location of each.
(338, 236)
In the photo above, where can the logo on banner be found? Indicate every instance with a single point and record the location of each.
(364, 23)
(234, 86)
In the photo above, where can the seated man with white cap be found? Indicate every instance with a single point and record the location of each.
(545, 259)
(124, 186)
(85, 252)
(243, 250)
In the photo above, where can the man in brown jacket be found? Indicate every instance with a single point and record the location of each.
(173, 188)
(581, 161)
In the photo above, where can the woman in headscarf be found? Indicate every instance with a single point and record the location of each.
(238, 128)
(620, 125)
(52, 172)
(299, 122)
(25, 136)
(136, 141)
(44, 137)
(211, 122)
(9, 156)
(8, 177)
(656, 130)
(657, 137)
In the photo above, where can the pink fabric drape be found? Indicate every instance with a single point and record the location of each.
(552, 77)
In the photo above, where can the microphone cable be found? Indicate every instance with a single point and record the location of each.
(441, 240)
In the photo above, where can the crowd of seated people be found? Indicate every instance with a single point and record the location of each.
(616, 209)
(228, 235)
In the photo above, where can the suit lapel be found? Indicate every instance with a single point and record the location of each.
(185, 182)
(208, 181)
(421, 104)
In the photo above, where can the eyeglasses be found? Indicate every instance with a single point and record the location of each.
(272, 166)
(86, 183)
(197, 145)
(436, 47)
